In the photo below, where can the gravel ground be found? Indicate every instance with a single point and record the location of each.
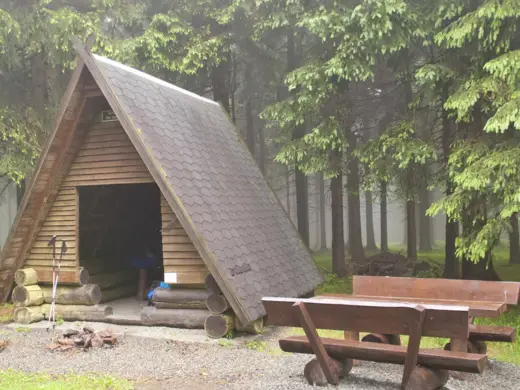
(163, 358)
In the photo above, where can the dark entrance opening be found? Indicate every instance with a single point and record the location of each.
(120, 236)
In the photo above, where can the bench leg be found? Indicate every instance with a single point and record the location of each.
(329, 367)
(412, 352)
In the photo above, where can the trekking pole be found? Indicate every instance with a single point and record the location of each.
(52, 242)
(55, 285)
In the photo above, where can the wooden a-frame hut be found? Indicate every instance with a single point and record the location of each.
(133, 162)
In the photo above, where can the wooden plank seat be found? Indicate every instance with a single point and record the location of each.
(484, 299)
(334, 358)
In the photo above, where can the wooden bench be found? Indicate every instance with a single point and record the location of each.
(476, 294)
(423, 369)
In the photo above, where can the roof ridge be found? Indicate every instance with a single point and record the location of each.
(151, 78)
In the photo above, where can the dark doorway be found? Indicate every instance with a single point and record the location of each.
(119, 234)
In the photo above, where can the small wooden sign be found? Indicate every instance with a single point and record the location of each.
(108, 116)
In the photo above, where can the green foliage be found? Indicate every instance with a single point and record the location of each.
(17, 380)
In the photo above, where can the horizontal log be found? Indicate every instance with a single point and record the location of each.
(88, 294)
(124, 291)
(28, 315)
(114, 279)
(217, 303)
(178, 318)
(26, 277)
(383, 353)
(80, 276)
(219, 325)
(255, 327)
(211, 284)
(80, 312)
(172, 298)
(27, 295)
(492, 333)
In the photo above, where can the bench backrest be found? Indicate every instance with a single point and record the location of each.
(463, 290)
(372, 317)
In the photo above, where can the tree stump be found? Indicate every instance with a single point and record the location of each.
(219, 325)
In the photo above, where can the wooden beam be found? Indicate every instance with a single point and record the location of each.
(412, 352)
(328, 367)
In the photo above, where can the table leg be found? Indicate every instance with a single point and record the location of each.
(348, 335)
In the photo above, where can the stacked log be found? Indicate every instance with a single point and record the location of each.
(114, 283)
(89, 294)
(222, 320)
(177, 318)
(170, 298)
(72, 302)
(27, 315)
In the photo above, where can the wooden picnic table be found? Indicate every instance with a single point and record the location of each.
(476, 308)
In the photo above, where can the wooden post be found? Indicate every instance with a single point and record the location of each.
(348, 335)
(412, 352)
(330, 369)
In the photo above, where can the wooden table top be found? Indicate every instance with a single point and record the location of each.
(476, 308)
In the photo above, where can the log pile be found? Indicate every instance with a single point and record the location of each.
(82, 339)
(382, 264)
(114, 283)
(73, 302)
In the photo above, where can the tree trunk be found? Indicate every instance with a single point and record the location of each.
(302, 191)
(514, 241)
(338, 243)
(384, 217)
(371, 239)
(323, 222)
(261, 149)
(250, 129)
(219, 77)
(425, 223)
(288, 192)
(411, 234)
(451, 264)
(355, 237)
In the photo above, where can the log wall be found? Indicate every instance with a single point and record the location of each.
(106, 156)
(180, 257)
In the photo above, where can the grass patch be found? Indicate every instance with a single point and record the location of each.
(507, 352)
(17, 380)
(6, 313)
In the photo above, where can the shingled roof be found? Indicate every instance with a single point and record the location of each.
(212, 183)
